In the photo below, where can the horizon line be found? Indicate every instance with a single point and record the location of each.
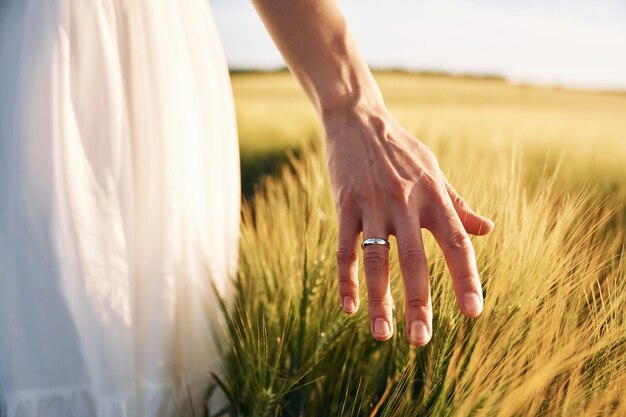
(488, 76)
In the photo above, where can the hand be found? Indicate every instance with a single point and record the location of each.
(386, 182)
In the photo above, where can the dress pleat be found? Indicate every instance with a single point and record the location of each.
(119, 206)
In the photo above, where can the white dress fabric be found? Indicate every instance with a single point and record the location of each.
(119, 206)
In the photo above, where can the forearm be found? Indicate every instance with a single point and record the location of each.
(313, 37)
(384, 180)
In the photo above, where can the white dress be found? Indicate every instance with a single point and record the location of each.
(119, 205)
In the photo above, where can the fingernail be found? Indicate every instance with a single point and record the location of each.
(348, 305)
(381, 328)
(472, 304)
(419, 332)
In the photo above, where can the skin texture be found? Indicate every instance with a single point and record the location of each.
(385, 181)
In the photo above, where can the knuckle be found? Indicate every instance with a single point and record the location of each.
(430, 155)
(435, 189)
(345, 256)
(345, 198)
(399, 190)
(459, 240)
(374, 260)
(458, 200)
(347, 285)
(430, 181)
(418, 303)
(467, 279)
(380, 303)
(413, 257)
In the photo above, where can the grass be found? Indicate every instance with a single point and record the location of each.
(547, 166)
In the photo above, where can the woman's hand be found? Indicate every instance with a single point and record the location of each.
(386, 182)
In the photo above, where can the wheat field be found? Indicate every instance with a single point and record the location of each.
(549, 166)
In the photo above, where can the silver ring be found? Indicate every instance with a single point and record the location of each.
(375, 241)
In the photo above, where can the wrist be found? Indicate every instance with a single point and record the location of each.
(345, 99)
(350, 119)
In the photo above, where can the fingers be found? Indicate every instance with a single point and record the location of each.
(472, 222)
(376, 266)
(414, 268)
(459, 254)
(347, 262)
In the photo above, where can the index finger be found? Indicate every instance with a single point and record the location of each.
(461, 259)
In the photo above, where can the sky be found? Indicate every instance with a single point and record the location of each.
(570, 43)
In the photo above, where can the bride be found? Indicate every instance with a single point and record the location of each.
(119, 197)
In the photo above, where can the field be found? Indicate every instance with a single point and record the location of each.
(549, 166)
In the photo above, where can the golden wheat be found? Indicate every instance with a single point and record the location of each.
(552, 338)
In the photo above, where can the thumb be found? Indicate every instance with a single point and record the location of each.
(473, 222)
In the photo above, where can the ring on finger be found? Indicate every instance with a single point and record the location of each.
(375, 241)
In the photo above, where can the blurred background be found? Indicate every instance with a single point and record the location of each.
(536, 75)
(558, 42)
(524, 105)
